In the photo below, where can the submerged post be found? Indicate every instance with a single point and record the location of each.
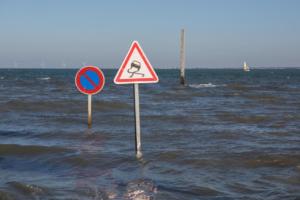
(89, 110)
(138, 146)
(182, 58)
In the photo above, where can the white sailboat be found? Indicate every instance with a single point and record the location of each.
(246, 67)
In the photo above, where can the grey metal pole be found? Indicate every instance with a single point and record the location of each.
(89, 110)
(182, 58)
(138, 145)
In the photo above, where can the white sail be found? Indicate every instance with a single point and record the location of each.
(246, 67)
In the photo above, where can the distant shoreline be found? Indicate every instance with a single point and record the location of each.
(166, 68)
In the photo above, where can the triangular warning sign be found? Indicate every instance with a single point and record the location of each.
(136, 67)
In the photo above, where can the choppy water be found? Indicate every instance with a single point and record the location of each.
(227, 135)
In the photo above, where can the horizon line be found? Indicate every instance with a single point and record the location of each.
(187, 68)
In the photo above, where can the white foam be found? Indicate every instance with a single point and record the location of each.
(203, 85)
(44, 78)
(140, 189)
(206, 85)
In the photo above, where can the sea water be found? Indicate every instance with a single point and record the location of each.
(227, 134)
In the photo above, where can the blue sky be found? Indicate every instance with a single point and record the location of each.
(219, 33)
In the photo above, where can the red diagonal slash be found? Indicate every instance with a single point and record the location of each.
(90, 80)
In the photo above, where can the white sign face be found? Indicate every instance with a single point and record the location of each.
(135, 68)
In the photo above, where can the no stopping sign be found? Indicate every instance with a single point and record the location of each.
(89, 80)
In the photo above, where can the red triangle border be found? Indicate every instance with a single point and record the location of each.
(153, 79)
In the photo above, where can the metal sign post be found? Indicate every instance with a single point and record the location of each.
(182, 58)
(138, 144)
(89, 110)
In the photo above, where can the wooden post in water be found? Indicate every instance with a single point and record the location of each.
(182, 58)
(89, 110)
(138, 145)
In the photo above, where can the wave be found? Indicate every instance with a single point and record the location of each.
(192, 190)
(27, 189)
(277, 160)
(248, 160)
(205, 85)
(44, 78)
(15, 149)
(2, 77)
(66, 106)
(246, 119)
(141, 189)
(4, 195)
(136, 189)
